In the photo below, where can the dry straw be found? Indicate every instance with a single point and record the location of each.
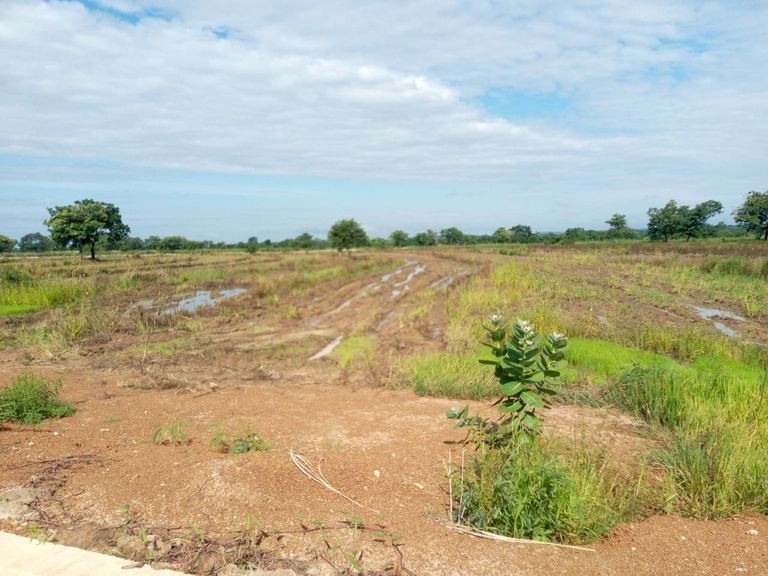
(317, 475)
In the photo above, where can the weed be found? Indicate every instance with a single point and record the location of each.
(30, 400)
(174, 434)
(248, 441)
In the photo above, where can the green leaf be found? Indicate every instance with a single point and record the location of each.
(509, 406)
(532, 399)
(513, 388)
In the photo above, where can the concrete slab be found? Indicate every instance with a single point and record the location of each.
(20, 556)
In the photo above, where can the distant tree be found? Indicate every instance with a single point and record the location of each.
(673, 219)
(152, 243)
(753, 214)
(502, 236)
(173, 244)
(428, 238)
(693, 221)
(451, 236)
(35, 242)
(575, 235)
(252, 245)
(347, 234)
(617, 222)
(521, 233)
(664, 223)
(399, 238)
(380, 243)
(6, 244)
(84, 222)
(304, 241)
(132, 244)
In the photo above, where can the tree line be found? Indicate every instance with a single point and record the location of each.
(91, 225)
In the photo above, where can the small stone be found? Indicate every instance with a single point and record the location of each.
(752, 532)
(377, 473)
(213, 385)
(419, 486)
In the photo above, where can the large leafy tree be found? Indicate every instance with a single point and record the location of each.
(428, 238)
(347, 234)
(6, 243)
(753, 214)
(35, 242)
(84, 223)
(694, 220)
(673, 220)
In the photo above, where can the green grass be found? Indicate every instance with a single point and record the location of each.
(31, 400)
(355, 349)
(527, 490)
(448, 375)
(174, 434)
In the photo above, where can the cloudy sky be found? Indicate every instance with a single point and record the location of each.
(229, 119)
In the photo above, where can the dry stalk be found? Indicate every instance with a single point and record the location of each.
(306, 468)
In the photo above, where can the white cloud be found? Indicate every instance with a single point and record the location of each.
(665, 96)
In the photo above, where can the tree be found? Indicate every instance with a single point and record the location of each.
(399, 238)
(35, 242)
(304, 241)
(501, 236)
(521, 233)
(84, 222)
(347, 234)
(663, 223)
(428, 238)
(6, 243)
(753, 214)
(617, 222)
(694, 220)
(452, 236)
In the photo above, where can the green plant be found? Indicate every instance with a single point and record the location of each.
(30, 400)
(175, 434)
(248, 441)
(522, 362)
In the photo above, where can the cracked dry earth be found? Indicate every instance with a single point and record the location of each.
(383, 448)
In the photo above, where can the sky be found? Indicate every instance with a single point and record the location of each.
(223, 120)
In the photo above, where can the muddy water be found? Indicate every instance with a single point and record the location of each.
(713, 313)
(202, 298)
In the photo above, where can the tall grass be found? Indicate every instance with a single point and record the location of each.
(527, 489)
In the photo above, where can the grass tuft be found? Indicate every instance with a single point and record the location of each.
(31, 400)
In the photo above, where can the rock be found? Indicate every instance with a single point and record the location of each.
(752, 532)
(132, 547)
(14, 503)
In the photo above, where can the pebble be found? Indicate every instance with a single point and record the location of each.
(752, 532)
(377, 473)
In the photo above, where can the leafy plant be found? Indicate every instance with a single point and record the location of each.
(239, 444)
(522, 361)
(30, 400)
(174, 434)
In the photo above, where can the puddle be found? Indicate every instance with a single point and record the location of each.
(411, 275)
(202, 298)
(328, 349)
(712, 313)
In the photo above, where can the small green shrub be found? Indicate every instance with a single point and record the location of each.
(30, 400)
(239, 444)
(522, 362)
(175, 434)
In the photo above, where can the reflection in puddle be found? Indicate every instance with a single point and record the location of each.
(202, 298)
(712, 313)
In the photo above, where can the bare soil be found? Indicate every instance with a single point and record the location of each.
(98, 478)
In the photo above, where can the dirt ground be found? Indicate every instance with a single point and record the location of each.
(99, 478)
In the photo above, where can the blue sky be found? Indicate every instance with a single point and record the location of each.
(229, 120)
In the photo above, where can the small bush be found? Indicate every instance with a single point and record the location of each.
(239, 444)
(30, 400)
